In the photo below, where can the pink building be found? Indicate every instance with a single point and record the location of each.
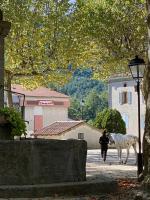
(42, 106)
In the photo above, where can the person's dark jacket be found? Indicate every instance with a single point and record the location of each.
(104, 140)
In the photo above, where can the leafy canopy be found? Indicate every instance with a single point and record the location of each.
(117, 30)
(45, 38)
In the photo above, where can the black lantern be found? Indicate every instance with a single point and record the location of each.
(137, 67)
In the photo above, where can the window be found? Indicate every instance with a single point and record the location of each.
(81, 136)
(125, 97)
(125, 118)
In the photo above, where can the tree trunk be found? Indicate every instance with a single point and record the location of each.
(146, 87)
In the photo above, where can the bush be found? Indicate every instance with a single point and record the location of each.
(111, 120)
(14, 120)
(99, 118)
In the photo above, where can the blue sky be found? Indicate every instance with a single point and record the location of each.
(72, 1)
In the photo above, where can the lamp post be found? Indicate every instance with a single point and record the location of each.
(4, 30)
(82, 104)
(137, 67)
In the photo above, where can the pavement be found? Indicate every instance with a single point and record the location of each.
(97, 169)
(100, 175)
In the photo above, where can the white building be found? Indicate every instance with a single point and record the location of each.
(123, 97)
(63, 130)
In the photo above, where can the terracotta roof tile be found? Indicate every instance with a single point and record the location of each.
(57, 128)
(38, 92)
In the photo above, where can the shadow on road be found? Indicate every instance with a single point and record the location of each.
(96, 169)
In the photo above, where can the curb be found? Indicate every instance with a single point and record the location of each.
(62, 189)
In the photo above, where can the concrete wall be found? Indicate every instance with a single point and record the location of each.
(91, 135)
(28, 162)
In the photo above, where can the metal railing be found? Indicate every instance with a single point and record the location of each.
(23, 102)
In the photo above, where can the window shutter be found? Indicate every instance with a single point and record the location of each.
(129, 97)
(120, 98)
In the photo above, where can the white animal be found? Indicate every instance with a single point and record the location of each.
(121, 141)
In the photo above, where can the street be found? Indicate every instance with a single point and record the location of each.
(97, 169)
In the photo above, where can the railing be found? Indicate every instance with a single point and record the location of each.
(23, 102)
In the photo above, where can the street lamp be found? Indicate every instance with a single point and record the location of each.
(137, 67)
(82, 105)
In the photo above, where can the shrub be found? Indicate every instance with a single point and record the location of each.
(111, 120)
(14, 120)
(99, 118)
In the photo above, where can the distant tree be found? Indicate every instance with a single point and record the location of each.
(94, 103)
(103, 100)
(91, 122)
(80, 86)
(74, 111)
(86, 73)
(111, 120)
(88, 107)
(99, 118)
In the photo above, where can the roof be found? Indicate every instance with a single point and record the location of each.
(120, 78)
(38, 92)
(58, 128)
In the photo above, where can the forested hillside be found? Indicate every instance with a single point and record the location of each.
(88, 96)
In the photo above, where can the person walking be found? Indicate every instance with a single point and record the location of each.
(104, 140)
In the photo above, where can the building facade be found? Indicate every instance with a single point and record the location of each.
(63, 130)
(123, 97)
(42, 106)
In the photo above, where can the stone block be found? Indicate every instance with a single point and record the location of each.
(39, 161)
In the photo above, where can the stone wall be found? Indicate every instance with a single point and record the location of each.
(38, 161)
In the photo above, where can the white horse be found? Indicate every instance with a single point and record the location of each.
(121, 141)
